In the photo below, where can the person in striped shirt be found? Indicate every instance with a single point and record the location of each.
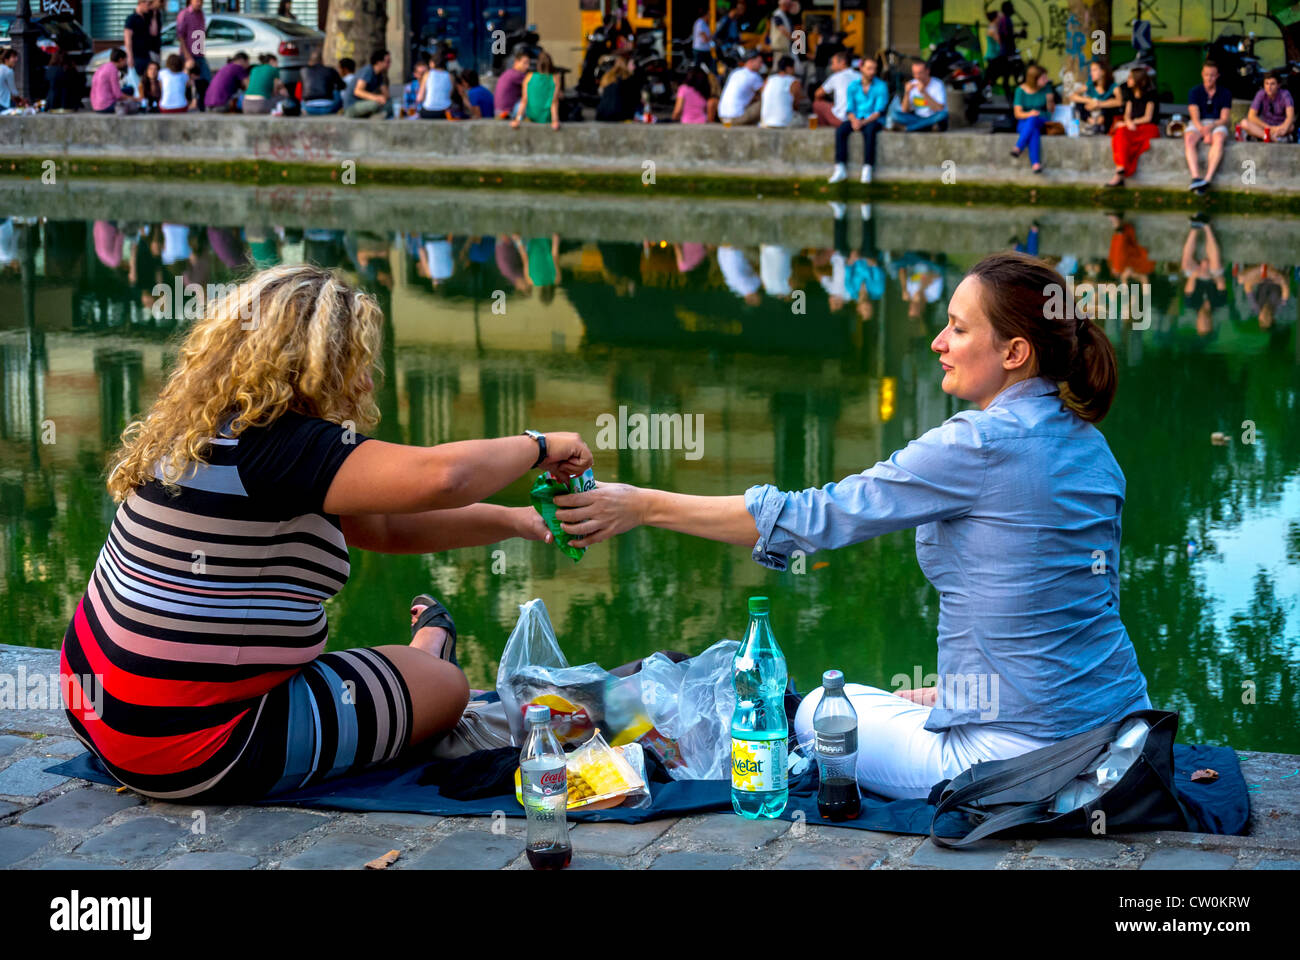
(239, 493)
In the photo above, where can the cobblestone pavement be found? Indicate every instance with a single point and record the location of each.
(50, 822)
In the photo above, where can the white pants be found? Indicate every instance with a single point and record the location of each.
(897, 757)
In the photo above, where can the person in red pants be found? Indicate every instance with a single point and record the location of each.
(1132, 134)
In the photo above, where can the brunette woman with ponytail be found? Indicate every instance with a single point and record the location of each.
(1016, 504)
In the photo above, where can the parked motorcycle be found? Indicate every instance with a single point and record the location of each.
(1239, 69)
(648, 54)
(1144, 54)
(948, 62)
(514, 34)
(598, 59)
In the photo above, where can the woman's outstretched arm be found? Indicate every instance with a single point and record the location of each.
(613, 508)
(434, 531)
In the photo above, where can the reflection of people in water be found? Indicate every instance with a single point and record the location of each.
(922, 283)
(369, 252)
(263, 246)
(145, 269)
(539, 255)
(739, 275)
(1267, 290)
(1206, 287)
(510, 262)
(1030, 244)
(1128, 259)
(689, 255)
(436, 260)
(774, 270)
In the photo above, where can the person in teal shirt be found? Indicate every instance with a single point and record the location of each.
(868, 100)
(1032, 105)
(1099, 103)
(263, 85)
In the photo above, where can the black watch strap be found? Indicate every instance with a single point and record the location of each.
(541, 446)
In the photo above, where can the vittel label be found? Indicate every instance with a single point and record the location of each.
(758, 766)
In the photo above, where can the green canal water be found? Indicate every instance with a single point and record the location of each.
(748, 330)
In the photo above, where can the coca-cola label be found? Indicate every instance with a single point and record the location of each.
(837, 744)
(553, 781)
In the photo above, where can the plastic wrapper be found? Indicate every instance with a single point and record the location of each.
(545, 489)
(1107, 771)
(601, 776)
(534, 670)
(690, 705)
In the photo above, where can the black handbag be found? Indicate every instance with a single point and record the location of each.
(1015, 795)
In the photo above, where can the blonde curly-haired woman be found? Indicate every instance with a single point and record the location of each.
(239, 494)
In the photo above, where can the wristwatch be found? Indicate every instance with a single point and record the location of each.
(541, 446)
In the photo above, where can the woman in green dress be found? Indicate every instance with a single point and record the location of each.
(540, 102)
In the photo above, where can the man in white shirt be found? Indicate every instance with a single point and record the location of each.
(740, 103)
(924, 101)
(739, 275)
(8, 82)
(831, 99)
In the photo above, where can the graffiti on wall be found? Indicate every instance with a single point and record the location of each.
(1055, 40)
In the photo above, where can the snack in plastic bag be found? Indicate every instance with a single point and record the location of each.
(545, 489)
(533, 670)
(600, 776)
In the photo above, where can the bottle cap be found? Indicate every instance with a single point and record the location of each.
(832, 680)
(538, 713)
(758, 605)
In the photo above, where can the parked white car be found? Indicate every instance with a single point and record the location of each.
(228, 33)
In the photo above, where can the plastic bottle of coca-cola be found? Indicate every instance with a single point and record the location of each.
(544, 780)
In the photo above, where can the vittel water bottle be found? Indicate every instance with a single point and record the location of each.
(544, 781)
(758, 726)
(835, 726)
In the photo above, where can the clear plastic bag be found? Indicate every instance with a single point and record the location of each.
(534, 670)
(690, 704)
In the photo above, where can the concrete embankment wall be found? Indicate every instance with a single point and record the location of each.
(598, 151)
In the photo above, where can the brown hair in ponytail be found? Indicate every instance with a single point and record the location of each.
(1020, 294)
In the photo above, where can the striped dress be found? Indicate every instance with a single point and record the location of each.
(203, 628)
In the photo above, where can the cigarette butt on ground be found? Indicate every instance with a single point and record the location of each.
(382, 863)
(122, 789)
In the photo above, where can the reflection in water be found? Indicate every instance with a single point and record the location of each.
(805, 365)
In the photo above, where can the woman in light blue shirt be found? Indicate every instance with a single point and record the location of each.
(1016, 504)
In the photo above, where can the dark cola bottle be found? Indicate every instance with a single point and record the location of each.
(835, 726)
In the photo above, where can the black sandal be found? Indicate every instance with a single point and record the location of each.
(435, 614)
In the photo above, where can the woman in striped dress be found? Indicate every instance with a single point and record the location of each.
(203, 627)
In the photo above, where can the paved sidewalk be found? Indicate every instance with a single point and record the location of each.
(50, 822)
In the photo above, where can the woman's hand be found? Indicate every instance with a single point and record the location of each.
(566, 454)
(599, 514)
(922, 695)
(529, 524)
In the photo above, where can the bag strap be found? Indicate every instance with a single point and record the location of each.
(1034, 766)
(1015, 816)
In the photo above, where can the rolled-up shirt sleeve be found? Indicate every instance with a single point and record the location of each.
(935, 477)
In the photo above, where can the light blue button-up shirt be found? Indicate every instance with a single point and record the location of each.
(1017, 516)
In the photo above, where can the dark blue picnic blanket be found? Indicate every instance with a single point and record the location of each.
(1220, 807)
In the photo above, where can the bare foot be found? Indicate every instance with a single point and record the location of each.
(430, 639)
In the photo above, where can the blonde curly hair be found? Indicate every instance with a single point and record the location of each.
(291, 338)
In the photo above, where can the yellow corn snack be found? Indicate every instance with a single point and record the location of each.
(598, 773)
